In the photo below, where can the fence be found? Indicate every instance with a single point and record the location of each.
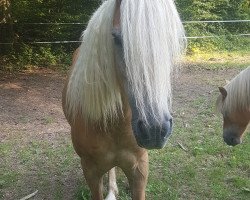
(184, 22)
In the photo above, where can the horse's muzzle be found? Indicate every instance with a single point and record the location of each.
(232, 140)
(152, 136)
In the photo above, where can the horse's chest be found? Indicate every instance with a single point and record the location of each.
(105, 149)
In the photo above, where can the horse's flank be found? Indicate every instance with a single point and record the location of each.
(238, 94)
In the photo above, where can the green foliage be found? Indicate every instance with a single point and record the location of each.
(23, 31)
(51, 11)
(25, 13)
(213, 9)
(202, 10)
(227, 44)
(27, 56)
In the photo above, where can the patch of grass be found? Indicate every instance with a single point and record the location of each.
(84, 194)
(201, 172)
(38, 164)
(8, 178)
(24, 119)
(48, 120)
(219, 60)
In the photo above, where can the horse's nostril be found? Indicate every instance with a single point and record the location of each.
(236, 141)
(166, 129)
(171, 123)
(232, 141)
(140, 125)
(143, 129)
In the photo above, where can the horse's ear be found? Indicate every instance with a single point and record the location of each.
(223, 92)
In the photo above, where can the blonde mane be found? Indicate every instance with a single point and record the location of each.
(238, 94)
(153, 37)
(93, 90)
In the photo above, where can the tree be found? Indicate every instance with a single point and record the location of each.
(201, 10)
(6, 27)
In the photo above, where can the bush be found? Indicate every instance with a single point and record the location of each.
(27, 56)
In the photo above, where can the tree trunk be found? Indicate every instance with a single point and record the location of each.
(6, 27)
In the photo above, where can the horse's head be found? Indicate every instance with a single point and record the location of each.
(234, 122)
(144, 57)
(149, 132)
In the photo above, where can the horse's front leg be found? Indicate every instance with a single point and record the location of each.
(94, 179)
(137, 175)
(113, 189)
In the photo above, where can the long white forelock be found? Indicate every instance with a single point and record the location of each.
(153, 37)
(93, 90)
(238, 93)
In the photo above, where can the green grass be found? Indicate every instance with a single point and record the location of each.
(219, 60)
(30, 164)
(209, 169)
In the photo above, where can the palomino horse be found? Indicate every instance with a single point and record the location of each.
(118, 95)
(234, 104)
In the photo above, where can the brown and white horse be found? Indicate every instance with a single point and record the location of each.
(117, 98)
(234, 104)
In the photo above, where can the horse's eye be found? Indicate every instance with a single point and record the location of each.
(117, 36)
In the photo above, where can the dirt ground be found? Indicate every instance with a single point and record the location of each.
(32, 96)
(31, 101)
